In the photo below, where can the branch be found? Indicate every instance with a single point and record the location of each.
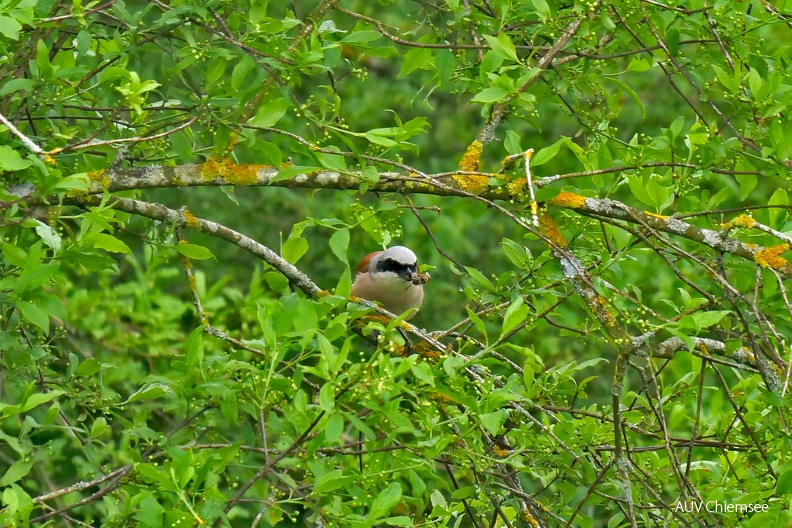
(29, 143)
(717, 240)
(458, 183)
(186, 219)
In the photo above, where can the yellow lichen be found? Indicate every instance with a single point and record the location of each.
(516, 187)
(190, 220)
(471, 182)
(741, 221)
(375, 318)
(748, 354)
(605, 316)
(471, 161)
(549, 229)
(526, 516)
(229, 171)
(662, 217)
(770, 257)
(568, 199)
(233, 139)
(100, 177)
(439, 396)
(426, 351)
(499, 451)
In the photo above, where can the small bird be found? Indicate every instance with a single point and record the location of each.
(391, 278)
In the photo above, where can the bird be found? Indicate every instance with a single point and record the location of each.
(391, 278)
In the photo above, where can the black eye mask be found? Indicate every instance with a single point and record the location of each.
(396, 267)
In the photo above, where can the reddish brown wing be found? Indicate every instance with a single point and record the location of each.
(363, 265)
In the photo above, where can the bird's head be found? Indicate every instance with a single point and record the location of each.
(395, 262)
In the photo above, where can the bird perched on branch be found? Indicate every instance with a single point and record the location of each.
(391, 278)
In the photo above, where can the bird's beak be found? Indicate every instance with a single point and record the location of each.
(407, 275)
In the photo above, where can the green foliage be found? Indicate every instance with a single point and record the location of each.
(617, 364)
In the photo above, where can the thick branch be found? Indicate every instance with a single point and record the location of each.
(218, 173)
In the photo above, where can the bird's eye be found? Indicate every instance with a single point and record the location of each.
(394, 266)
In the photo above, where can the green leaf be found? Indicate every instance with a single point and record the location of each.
(330, 481)
(194, 352)
(676, 127)
(17, 85)
(13, 254)
(11, 160)
(243, 68)
(503, 46)
(779, 197)
(423, 372)
(385, 501)
(542, 9)
(48, 235)
(229, 407)
(548, 153)
(638, 65)
(152, 474)
(416, 58)
(399, 520)
(725, 79)
(270, 113)
(633, 96)
(18, 469)
(747, 184)
(478, 323)
(150, 392)
(755, 83)
(32, 401)
(150, 512)
(638, 189)
(445, 62)
(34, 314)
(783, 483)
(109, 243)
(75, 182)
(294, 248)
(660, 195)
(479, 277)
(438, 500)
(707, 319)
(528, 375)
(490, 95)
(333, 162)
(193, 251)
(99, 427)
(378, 139)
(516, 314)
(512, 142)
(334, 428)
(327, 397)
(89, 367)
(362, 37)
(339, 243)
(493, 421)
(9, 27)
(42, 59)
